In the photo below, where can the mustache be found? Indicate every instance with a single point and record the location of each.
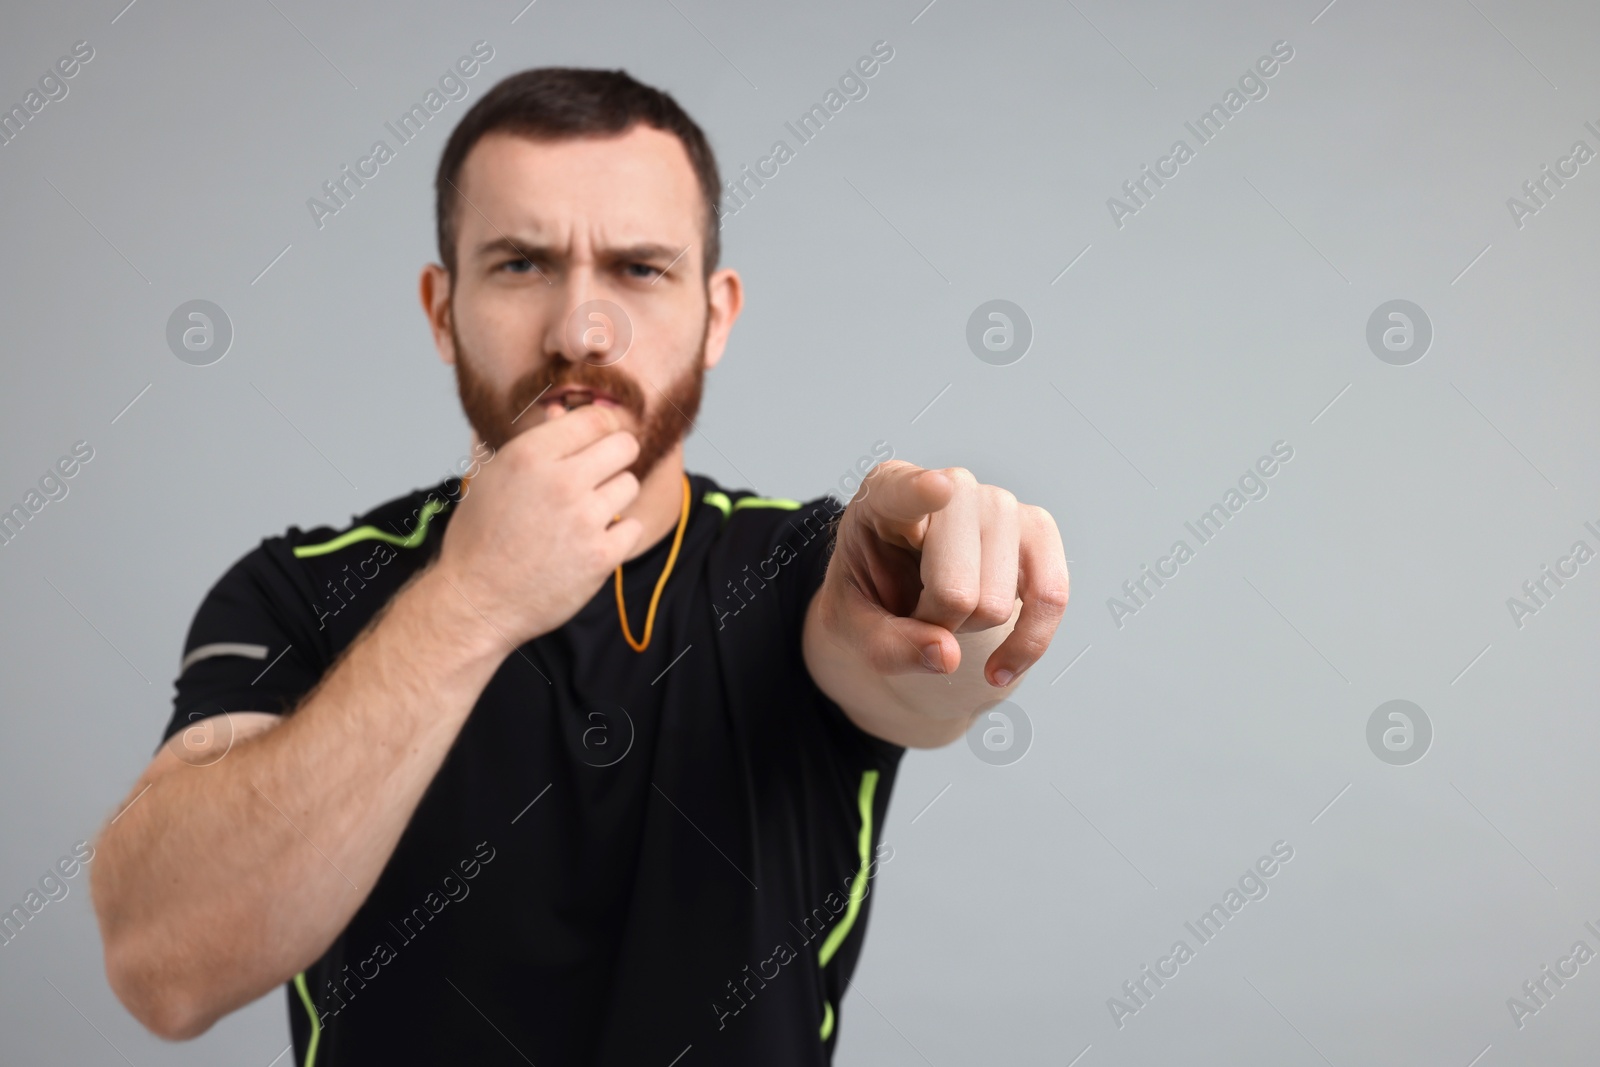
(623, 389)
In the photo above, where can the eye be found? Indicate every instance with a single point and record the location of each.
(642, 271)
(518, 266)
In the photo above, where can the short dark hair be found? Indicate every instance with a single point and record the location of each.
(556, 103)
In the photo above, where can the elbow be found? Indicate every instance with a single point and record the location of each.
(143, 977)
(177, 1023)
(160, 1004)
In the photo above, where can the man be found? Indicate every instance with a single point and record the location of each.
(584, 760)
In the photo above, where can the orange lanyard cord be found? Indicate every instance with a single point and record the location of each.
(661, 583)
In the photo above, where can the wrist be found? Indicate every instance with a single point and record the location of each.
(436, 610)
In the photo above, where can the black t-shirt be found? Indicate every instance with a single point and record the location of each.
(627, 857)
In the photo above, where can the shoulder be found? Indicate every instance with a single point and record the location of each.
(297, 573)
(275, 620)
(762, 540)
(406, 522)
(748, 518)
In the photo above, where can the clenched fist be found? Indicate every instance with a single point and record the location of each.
(534, 539)
(924, 555)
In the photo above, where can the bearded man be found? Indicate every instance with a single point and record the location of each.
(581, 759)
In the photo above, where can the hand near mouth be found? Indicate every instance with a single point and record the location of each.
(539, 532)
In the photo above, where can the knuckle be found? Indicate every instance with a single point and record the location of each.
(993, 609)
(963, 478)
(956, 599)
(1051, 599)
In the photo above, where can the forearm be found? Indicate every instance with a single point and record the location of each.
(224, 880)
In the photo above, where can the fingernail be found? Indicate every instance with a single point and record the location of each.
(933, 658)
(1002, 678)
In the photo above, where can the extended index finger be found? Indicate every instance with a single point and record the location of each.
(898, 494)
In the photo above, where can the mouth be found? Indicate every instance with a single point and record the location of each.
(575, 396)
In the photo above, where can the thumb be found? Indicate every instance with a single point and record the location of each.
(892, 644)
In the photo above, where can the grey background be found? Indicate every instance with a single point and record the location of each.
(1225, 316)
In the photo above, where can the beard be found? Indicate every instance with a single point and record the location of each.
(499, 416)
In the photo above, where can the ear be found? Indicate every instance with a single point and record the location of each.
(724, 300)
(434, 289)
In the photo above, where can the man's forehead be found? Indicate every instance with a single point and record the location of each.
(620, 190)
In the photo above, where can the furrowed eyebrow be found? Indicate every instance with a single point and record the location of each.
(645, 250)
(504, 245)
(642, 251)
(509, 246)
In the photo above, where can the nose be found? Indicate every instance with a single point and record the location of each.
(571, 289)
(597, 332)
(587, 327)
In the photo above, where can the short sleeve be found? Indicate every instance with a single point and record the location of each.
(811, 530)
(255, 643)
